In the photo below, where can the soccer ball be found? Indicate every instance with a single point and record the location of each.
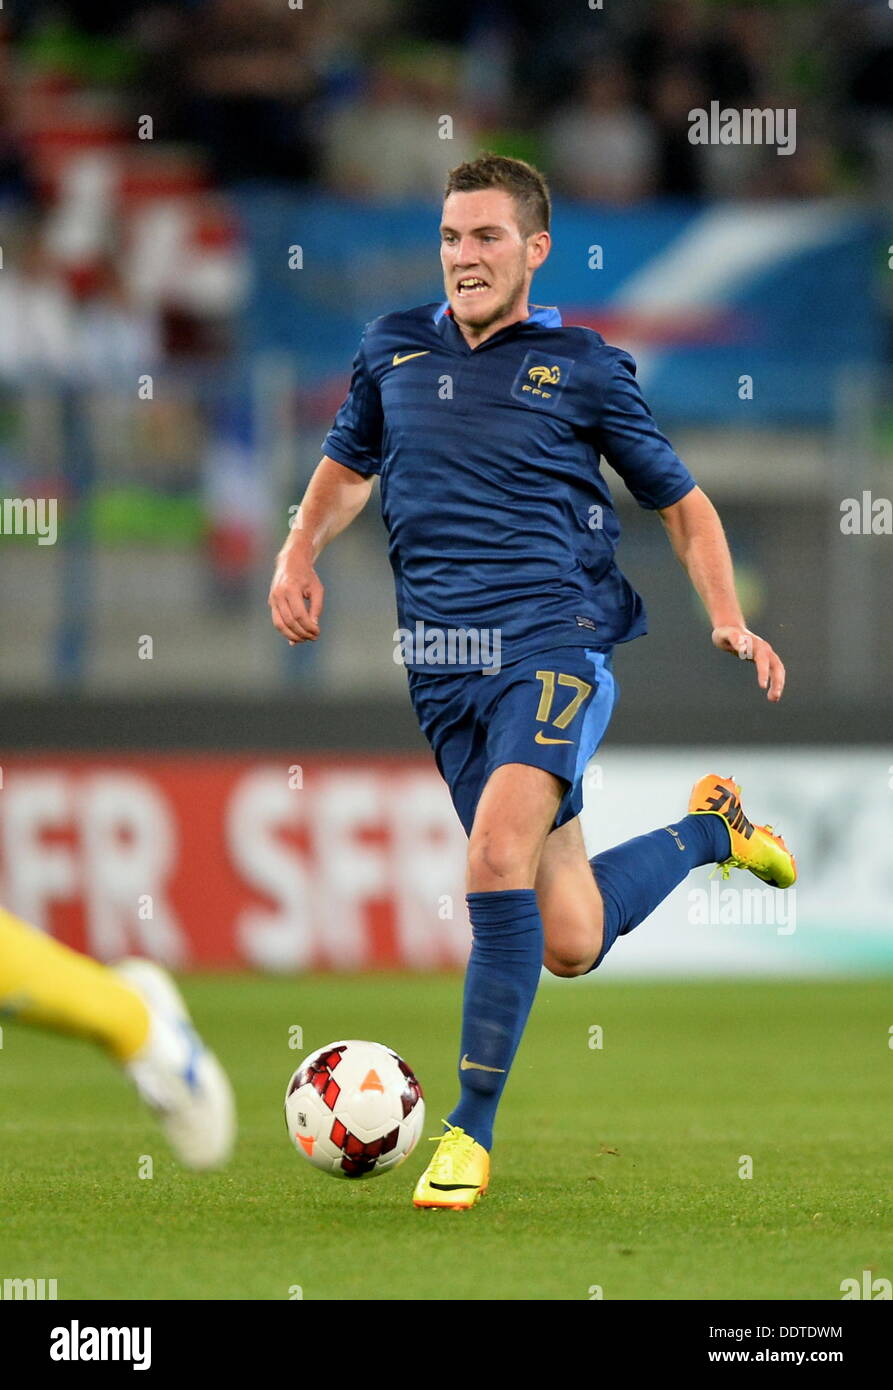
(354, 1109)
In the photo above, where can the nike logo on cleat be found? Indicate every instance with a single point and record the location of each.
(730, 807)
(454, 1186)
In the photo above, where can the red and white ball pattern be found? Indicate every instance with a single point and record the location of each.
(354, 1109)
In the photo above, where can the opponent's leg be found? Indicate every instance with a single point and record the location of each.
(515, 811)
(137, 1014)
(47, 984)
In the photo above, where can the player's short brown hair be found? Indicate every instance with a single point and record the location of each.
(526, 185)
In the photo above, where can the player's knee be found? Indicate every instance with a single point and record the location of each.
(571, 948)
(568, 964)
(498, 861)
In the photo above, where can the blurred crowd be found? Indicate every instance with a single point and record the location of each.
(379, 99)
(123, 129)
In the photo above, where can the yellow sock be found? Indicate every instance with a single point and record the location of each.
(47, 984)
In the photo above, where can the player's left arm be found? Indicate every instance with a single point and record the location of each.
(699, 541)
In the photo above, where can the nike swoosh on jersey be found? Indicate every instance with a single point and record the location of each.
(407, 356)
(541, 738)
(465, 1065)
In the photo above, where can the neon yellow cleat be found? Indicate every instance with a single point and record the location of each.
(754, 847)
(457, 1175)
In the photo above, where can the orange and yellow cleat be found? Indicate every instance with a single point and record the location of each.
(754, 847)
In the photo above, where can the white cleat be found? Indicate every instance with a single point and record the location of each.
(176, 1074)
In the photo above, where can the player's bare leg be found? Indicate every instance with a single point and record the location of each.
(511, 826)
(569, 901)
(586, 904)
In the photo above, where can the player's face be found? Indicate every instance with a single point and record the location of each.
(487, 260)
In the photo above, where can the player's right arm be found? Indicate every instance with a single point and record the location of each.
(335, 496)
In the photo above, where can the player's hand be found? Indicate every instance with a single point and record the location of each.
(296, 600)
(749, 647)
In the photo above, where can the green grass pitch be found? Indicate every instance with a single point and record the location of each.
(615, 1167)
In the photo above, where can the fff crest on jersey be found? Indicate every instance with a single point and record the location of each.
(542, 379)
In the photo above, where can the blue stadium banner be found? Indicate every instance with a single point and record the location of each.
(735, 312)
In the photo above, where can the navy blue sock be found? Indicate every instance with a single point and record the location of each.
(500, 984)
(637, 875)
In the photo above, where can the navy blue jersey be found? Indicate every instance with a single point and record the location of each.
(498, 516)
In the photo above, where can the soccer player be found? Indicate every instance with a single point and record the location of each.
(136, 1013)
(486, 419)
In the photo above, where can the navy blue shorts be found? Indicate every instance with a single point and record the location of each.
(548, 711)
